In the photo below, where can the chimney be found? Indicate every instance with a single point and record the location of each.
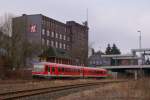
(24, 14)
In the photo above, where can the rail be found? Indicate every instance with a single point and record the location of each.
(32, 92)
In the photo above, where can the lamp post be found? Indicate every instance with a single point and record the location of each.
(140, 48)
(140, 42)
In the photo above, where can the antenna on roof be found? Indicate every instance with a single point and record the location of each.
(87, 15)
(86, 22)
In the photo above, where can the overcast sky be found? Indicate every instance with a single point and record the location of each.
(110, 21)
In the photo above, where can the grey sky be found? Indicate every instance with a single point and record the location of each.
(110, 21)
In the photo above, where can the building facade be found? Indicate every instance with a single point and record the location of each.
(46, 32)
(96, 59)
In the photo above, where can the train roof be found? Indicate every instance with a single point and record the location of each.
(60, 65)
(95, 68)
(73, 66)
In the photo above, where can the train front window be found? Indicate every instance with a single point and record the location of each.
(38, 68)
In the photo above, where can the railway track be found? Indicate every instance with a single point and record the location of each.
(31, 92)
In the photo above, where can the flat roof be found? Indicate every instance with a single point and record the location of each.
(128, 58)
(140, 50)
(125, 55)
(126, 67)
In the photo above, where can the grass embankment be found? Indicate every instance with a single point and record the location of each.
(132, 90)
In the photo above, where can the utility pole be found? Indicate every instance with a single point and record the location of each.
(140, 41)
(140, 46)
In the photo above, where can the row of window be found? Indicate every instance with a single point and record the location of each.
(96, 72)
(97, 62)
(54, 25)
(74, 70)
(64, 70)
(55, 44)
(56, 35)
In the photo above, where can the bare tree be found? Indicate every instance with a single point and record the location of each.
(16, 44)
(90, 48)
(6, 24)
(6, 33)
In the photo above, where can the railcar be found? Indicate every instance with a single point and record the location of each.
(51, 70)
(90, 72)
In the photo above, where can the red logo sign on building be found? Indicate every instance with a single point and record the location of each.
(33, 28)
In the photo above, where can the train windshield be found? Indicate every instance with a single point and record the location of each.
(38, 68)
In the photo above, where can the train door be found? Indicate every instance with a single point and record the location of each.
(56, 70)
(48, 69)
(82, 71)
(53, 70)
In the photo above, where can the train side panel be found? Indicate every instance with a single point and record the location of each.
(94, 72)
(60, 70)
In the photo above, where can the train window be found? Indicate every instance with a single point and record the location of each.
(79, 70)
(69, 69)
(59, 69)
(101, 72)
(48, 69)
(66, 69)
(53, 69)
(97, 72)
(74, 70)
(63, 69)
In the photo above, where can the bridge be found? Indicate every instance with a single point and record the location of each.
(125, 67)
(136, 69)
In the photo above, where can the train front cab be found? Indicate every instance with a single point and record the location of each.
(38, 70)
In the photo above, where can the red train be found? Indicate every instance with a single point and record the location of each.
(46, 69)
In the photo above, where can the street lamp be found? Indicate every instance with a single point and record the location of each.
(140, 48)
(140, 44)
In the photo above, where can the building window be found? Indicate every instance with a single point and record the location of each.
(56, 35)
(48, 33)
(47, 42)
(64, 46)
(60, 45)
(67, 47)
(91, 62)
(56, 44)
(43, 31)
(52, 34)
(42, 21)
(64, 37)
(52, 43)
(97, 62)
(60, 36)
(68, 38)
(65, 29)
(43, 41)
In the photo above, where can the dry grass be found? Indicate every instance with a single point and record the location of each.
(13, 85)
(132, 90)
